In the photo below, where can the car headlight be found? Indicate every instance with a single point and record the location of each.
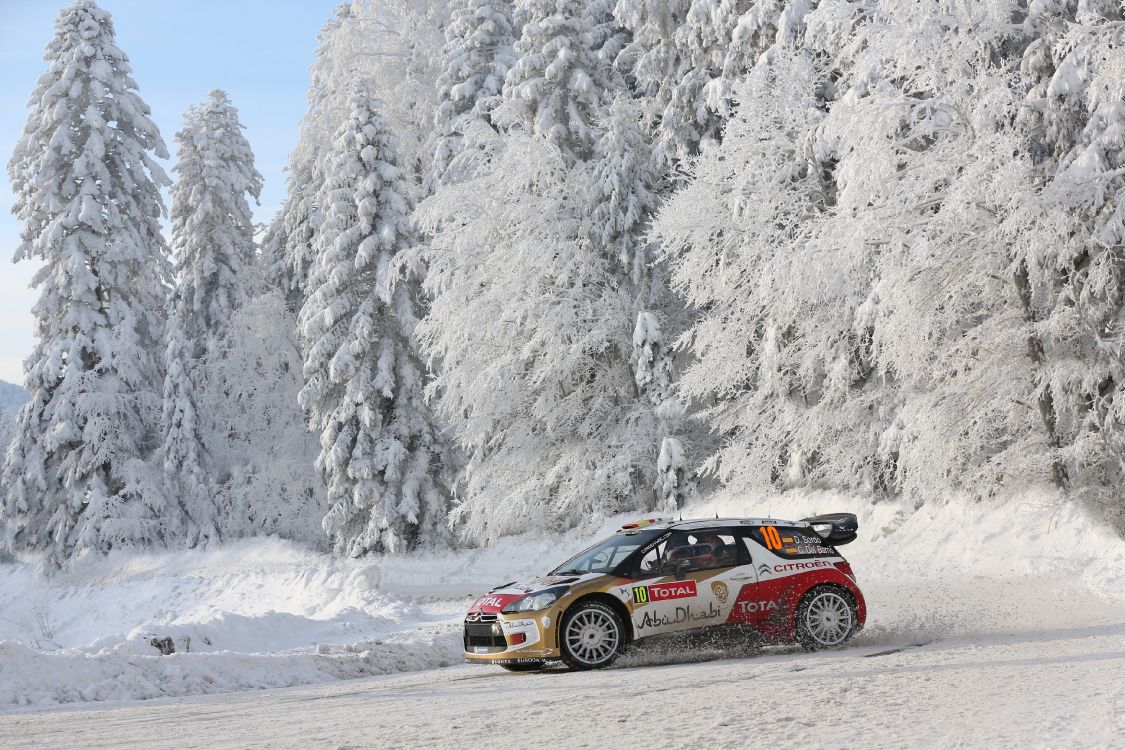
(534, 602)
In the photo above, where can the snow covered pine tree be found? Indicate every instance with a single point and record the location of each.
(476, 57)
(213, 246)
(387, 475)
(87, 191)
(397, 45)
(287, 253)
(559, 83)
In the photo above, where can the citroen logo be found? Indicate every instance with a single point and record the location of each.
(763, 570)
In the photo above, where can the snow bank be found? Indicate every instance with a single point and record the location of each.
(260, 613)
(31, 677)
(256, 595)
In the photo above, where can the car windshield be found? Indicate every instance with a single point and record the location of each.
(605, 556)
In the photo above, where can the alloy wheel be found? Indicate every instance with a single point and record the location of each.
(592, 637)
(828, 618)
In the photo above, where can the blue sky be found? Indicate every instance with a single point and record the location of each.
(258, 50)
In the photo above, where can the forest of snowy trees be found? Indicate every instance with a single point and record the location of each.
(544, 261)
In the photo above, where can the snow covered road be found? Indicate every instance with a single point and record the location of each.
(1037, 667)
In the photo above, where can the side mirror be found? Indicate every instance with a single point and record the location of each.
(682, 568)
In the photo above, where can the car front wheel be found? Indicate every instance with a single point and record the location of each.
(826, 618)
(592, 636)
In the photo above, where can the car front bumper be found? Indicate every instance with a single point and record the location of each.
(497, 638)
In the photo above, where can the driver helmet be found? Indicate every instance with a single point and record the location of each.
(713, 541)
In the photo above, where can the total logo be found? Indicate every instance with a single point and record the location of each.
(489, 601)
(660, 591)
(748, 608)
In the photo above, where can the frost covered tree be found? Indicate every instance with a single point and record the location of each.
(396, 44)
(287, 247)
(608, 35)
(1071, 266)
(213, 248)
(624, 183)
(847, 247)
(686, 55)
(387, 474)
(734, 234)
(255, 434)
(87, 192)
(935, 189)
(532, 324)
(475, 59)
(559, 83)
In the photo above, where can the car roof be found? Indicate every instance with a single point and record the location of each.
(708, 523)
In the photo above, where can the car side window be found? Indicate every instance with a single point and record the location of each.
(649, 564)
(748, 548)
(705, 549)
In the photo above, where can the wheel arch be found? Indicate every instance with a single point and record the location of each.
(612, 602)
(798, 595)
(835, 586)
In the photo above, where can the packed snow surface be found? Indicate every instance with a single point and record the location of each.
(1059, 687)
(987, 627)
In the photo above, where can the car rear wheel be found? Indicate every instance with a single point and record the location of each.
(591, 637)
(525, 666)
(826, 618)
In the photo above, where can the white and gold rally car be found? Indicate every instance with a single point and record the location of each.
(783, 579)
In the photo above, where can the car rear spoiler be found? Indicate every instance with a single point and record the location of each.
(835, 528)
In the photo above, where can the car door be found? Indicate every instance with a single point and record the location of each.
(689, 581)
(759, 600)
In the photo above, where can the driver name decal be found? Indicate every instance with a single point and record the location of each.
(658, 592)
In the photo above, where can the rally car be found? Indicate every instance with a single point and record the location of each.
(784, 580)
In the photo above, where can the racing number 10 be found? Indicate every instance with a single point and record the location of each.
(773, 539)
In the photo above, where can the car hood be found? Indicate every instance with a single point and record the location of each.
(501, 596)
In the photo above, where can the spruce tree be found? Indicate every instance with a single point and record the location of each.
(213, 247)
(624, 183)
(687, 56)
(559, 83)
(87, 191)
(380, 452)
(287, 246)
(476, 57)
